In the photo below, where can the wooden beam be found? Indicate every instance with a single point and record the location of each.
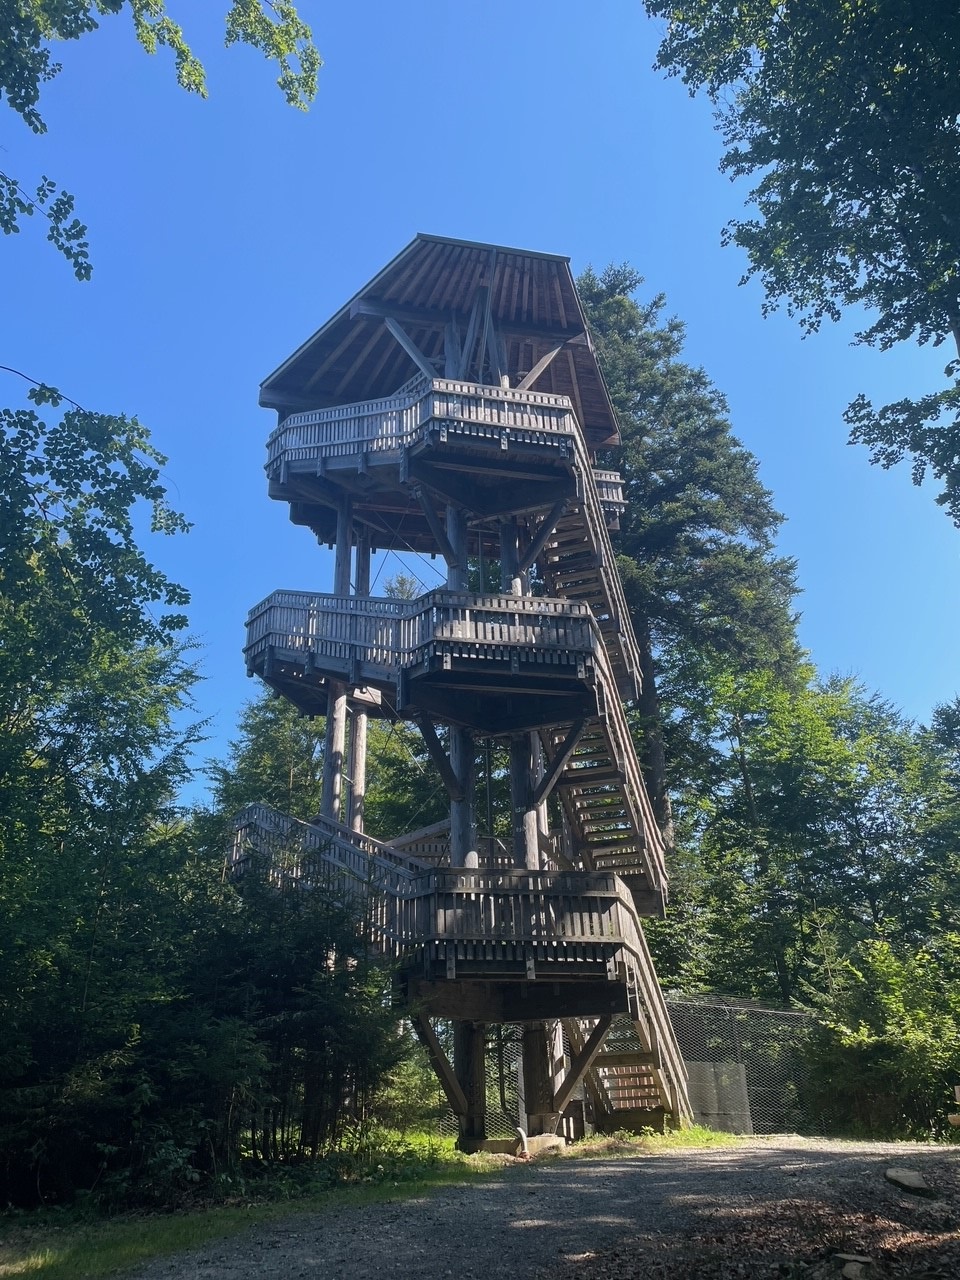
(410, 347)
(431, 318)
(470, 341)
(437, 529)
(441, 1064)
(489, 341)
(439, 758)
(545, 360)
(577, 402)
(581, 1063)
(601, 1105)
(505, 999)
(550, 778)
(452, 350)
(543, 534)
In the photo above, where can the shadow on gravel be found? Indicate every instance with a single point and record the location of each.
(739, 1211)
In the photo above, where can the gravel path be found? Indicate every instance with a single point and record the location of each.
(608, 1217)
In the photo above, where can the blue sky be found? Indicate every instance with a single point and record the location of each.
(225, 231)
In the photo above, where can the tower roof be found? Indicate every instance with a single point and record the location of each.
(533, 306)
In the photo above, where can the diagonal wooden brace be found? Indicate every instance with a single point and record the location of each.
(543, 534)
(437, 529)
(441, 1064)
(439, 757)
(582, 1062)
(550, 778)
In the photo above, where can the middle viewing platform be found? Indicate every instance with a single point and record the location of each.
(460, 656)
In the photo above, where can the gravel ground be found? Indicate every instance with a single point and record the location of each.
(777, 1206)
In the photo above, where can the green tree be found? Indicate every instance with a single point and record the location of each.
(888, 1053)
(93, 680)
(847, 117)
(817, 838)
(696, 546)
(276, 760)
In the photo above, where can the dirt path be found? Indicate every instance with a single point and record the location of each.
(686, 1214)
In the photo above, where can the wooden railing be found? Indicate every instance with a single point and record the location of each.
(386, 634)
(610, 488)
(393, 422)
(423, 904)
(390, 423)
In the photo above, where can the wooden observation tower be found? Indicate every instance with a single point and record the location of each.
(455, 407)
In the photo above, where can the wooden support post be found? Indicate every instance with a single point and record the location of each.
(463, 838)
(539, 1069)
(469, 1060)
(462, 762)
(335, 740)
(358, 731)
(510, 557)
(457, 544)
(526, 832)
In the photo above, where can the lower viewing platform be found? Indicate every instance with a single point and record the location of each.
(492, 945)
(492, 663)
(452, 928)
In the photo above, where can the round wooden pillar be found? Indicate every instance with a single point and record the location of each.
(358, 730)
(524, 816)
(331, 798)
(542, 1068)
(470, 1065)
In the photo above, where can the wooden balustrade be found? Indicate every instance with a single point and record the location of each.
(421, 905)
(389, 634)
(386, 425)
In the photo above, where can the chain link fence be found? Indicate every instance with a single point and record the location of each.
(747, 1066)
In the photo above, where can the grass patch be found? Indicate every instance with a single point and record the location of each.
(650, 1143)
(54, 1245)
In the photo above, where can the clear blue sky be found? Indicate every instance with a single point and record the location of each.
(225, 232)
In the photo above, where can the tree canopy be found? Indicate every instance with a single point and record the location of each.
(848, 118)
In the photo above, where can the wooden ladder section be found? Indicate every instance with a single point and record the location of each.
(602, 791)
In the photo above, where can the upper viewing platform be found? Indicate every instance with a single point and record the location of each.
(499, 450)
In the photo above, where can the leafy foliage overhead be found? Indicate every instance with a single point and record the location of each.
(30, 30)
(848, 117)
